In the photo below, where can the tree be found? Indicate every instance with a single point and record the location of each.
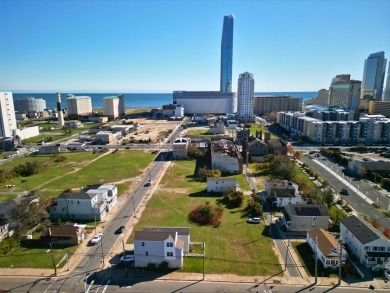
(204, 173)
(298, 155)
(284, 167)
(233, 198)
(28, 213)
(290, 149)
(193, 152)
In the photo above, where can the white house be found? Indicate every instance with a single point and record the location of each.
(183, 234)
(156, 247)
(282, 192)
(180, 147)
(326, 246)
(305, 217)
(365, 242)
(221, 184)
(79, 206)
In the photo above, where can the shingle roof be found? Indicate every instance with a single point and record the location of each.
(77, 195)
(307, 210)
(360, 230)
(63, 231)
(179, 230)
(153, 236)
(221, 179)
(326, 242)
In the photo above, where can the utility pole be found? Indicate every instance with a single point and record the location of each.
(340, 259)
(94, 214)
(101, 244)
(204, 249)
(133, 204)
(52, 258)
(316, 261)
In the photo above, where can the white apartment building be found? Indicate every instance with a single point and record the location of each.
(365, 242)
(78, 105)
(245, 93)
(7, 117)
(111, 107)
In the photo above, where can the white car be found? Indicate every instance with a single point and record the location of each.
(96, 239)
(127, 258)
(255, 220)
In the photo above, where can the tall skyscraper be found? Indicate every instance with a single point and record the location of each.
(374, 76)
(227, 54)
(245, 93)
(387, 91)
(7, 114)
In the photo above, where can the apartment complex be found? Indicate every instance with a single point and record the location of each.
(78, 106)
(267, 104)
(245, 93)
(379, 108)
(7, 117)
(370, 129)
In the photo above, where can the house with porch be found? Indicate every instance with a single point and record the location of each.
(364, 242)
(326, 247)
(282, 192)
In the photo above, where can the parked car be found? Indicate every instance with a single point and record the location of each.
(344, 191)
(120, 230)
(149, 183)
(96, 239)
(127, 258)
(254, 220)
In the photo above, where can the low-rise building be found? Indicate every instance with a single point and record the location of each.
(155, 247)
(221, 184)
(326, 247)
(256, 148)
(183, 233)
(277, 146)
(70, 234)
(305, 217)
(49, 149)
(180, 147)
(175, 111)
(360, 168)
(218, 128)
(226, 157)
(104, 137)
(282, 192)
(365, 242)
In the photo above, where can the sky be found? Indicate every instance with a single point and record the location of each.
(165, 45)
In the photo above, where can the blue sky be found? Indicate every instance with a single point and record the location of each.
(160, 46)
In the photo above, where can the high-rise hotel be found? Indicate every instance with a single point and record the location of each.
(245, 93)
(7, 114)
(227, 54)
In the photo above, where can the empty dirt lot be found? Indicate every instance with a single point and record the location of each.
(153, 129)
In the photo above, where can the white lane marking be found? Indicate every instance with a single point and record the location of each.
(50, 285)
(106, 286)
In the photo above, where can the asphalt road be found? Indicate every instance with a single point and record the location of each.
(358, 203)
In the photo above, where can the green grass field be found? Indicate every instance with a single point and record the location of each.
(233, 247)
(199, 132)
(109, 168)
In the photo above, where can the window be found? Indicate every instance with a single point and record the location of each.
(169, 253)
(314, 218)
(146, 252)
(143, 243)
(78, 202)
(313, 224)
(367, 248)
(169, 244)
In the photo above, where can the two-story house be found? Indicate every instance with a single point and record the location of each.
(305, 217)
(221, 184)
(364, 242)
(152, 246)
(326, 246)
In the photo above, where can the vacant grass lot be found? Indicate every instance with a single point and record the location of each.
(233, 247)
(118, 168)
(199, 132)
(21, 257)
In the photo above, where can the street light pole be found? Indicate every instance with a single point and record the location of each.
(52, 258)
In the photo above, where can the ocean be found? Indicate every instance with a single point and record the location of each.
(141, 100)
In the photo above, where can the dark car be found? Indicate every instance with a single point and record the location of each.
(120, 230)
(344, 191)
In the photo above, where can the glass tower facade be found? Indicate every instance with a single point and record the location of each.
(387, 91)
(227, 54)
(374, 76)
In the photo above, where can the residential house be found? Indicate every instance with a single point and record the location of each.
(282, 192)
(71, 234)
(364, 242)
(226, 157)
(326, 246)
(183, 234)
(156, 247)
(256, 148)
(277, 146)
(218, 128)
(305, 217)
(79, 206)
(221, 184)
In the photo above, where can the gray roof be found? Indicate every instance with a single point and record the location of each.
(360, 230)
(221, 179)
(377, 165)
(307, 210)
(179, 230)
(77, 195)
(153, 236)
